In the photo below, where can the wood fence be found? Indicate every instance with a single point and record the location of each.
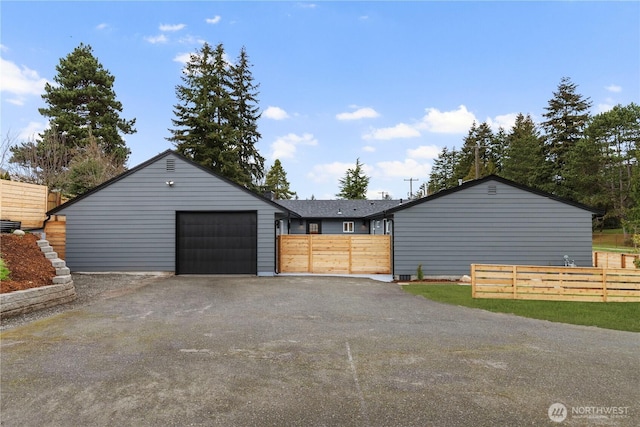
(23, 202)
(555, 283)
(55, 231)
(614, 260)
(337, 254)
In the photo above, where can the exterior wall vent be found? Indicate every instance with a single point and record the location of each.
(492, 190)
(171, 165)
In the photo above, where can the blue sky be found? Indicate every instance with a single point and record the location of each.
(390, 83)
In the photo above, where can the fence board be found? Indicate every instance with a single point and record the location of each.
(338, 254)
(614, 260)
(20, 201)
(55, 231)
(556, 283)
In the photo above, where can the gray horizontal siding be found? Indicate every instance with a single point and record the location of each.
(130, 225)
(447, 234)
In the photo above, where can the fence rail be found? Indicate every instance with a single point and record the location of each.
(324, 253)
(555, 283)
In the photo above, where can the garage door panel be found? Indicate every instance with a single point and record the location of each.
(216, 243)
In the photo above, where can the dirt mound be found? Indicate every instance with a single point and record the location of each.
(28, 265)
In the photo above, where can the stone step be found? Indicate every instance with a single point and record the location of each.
(51, 255)
(42, 242)
(58, 263)
(63, 271)
(60, 280)
(46, 249)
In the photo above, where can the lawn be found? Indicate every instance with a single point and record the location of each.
(623, 316)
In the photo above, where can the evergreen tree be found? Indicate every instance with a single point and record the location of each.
(480, 138)
(524, 157)
(276, 181)
(566, 118)
(216, 117)
(83, 105)
(245, 121)
(607, 175)
(354, 184)
(442, 174)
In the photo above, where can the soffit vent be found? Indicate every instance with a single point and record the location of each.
(171, 165)
(492, 190)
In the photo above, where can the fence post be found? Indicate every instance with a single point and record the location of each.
(595, 259)
(473, 280)
(604, 285)
(623, 261)
(514, 282)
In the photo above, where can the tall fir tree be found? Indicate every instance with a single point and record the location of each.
(216, 116)
(83, 105)
(566, 117)
(442, 174)
(480, 138)
(524, 156)
(276, 181)
(354, 184)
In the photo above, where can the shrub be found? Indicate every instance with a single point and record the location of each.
(4, 271)
(419, 272)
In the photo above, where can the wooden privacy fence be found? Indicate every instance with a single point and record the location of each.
(55, 231)
(614, 260)
(23, 202)
(555, 283)
(338, 254)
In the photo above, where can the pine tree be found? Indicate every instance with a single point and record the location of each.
(479, 138)
(354, 184)
(83, 105)
(524, 157)
(566, 118)
(442, 174)
(276, 181)
(216, 117)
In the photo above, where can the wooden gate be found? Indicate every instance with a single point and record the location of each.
(334, 254)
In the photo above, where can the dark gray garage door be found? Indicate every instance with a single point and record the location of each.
(216, 243)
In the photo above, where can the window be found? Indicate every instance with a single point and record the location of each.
(347, 227)
(314, 228)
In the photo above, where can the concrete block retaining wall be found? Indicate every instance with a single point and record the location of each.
(27, 300)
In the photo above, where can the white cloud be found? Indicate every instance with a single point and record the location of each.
(614, 88)
(182, 58)
(456, 121)
(603, 108)
(307, 5)
(360, 113)
(19, 81)
(31, 131)
(275, 113)
(329, 172)
(189, 39)
(171, 27)
(213, 20)
(409, 168)
(286, 146)
(103, 26)
(368, 149)
(3, 48)
(157, 39)
(424, 152)
(401, 130)
(504, 121)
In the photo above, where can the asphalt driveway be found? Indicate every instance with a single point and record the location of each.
(309, 351)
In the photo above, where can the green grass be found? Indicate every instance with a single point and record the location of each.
(4, 271)
(622, 316)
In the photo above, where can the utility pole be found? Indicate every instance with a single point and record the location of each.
(411, 186)
(382, 193)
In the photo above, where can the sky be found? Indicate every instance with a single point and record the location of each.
(388, 83)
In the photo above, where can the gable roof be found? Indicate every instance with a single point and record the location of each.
(480, 181)
(153, 160)
(338, 208)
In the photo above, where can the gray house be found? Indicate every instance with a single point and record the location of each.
(170, 214)
(491, 221)
(338, 216)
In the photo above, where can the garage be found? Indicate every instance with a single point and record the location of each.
(216, 242)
